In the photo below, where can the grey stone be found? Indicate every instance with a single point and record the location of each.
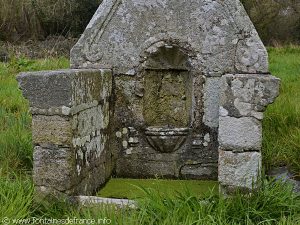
(248, 94)
(98, 201)
(211, 101)
(47, 89)
(240, 134)
(55, 130)
(239, 170)
(283, 174)
(218, 36)
(70, 129)
(201, 171)
(55, 87)
(53, 168)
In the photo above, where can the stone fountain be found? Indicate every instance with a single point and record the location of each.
(168, 88)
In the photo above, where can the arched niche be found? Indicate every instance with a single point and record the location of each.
(167, 101)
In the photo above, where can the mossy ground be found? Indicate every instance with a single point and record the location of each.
(133, 188)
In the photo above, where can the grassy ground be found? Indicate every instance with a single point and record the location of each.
(15, 121)
(281, 134)
(272, 204)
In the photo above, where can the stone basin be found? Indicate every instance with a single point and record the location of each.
(166, 140)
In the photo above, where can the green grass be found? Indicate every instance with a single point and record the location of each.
(15, 121)
(281, 126)
(274, 203)
(130, 188)
(16, 197)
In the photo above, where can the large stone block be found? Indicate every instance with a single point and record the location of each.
(206, 171)
(54, 130)
(65, 88)
(239, 170)
(247, 94)
(53, 168)
(240, 134)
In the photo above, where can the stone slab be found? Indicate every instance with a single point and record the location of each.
(211, 101)
(52, 89)
(202, 171)
(93, 200)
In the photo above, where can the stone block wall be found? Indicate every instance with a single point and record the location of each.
(70, 125)
(243, 99)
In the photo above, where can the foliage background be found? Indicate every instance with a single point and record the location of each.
(277, 21)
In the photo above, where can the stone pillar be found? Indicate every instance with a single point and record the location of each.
(243, 99)
(70, 127)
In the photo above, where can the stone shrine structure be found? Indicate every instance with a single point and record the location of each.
(168, 88)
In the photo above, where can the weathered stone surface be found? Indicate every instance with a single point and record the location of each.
(47, 89)
(211, 101)
(70, 132)
(53, 167)
(145, 168)
(283, 174)
(98, 201)
(217, 35)
(248, 94)
(167, 98)
(201, 171)
(55, 87)
(240, 134)
(239, 170)
(54, 130)
(166, 140)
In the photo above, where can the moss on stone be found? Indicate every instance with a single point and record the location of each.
(166, 100)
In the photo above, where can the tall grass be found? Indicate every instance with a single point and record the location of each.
(281, 126)
(15, 120)
(18, 20)
(274, 203)
(37, 19)
(16, 197)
